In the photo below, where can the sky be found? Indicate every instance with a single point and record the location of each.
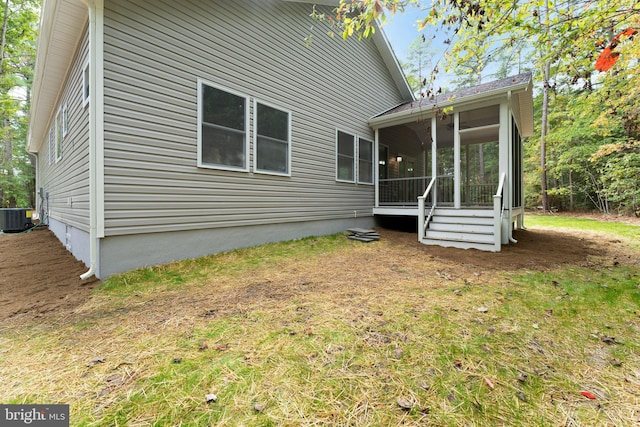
(402, 29)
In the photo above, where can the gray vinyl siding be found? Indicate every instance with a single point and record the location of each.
(67, 180)
(155, 52)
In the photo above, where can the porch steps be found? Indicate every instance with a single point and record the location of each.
(461, 228)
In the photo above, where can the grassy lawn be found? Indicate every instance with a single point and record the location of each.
(327, 331)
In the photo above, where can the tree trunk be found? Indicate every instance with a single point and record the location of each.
(543, 138)
(571, 204)
(3, 40)
(545, 121)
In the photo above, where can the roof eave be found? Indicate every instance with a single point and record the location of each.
(61, 25)
(410, 114)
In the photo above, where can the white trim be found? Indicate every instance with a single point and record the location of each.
(201, 83)
(95, 65)
(255, 138)
(65, 120)
(456, 160)
(86, 83)
(354, 162)
(373, 161)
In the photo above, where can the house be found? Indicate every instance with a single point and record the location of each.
(168, 130)
(454, 161)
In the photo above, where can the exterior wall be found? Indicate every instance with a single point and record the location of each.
(123, 253)
(64, 183)
(155, 52)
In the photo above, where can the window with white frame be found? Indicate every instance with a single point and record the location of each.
(345, 156)
(223, 135)
(65, 120)
(365, 161)
(272, 139)
(59, 136)
(85, 85)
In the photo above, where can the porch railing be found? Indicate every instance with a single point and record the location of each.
(405, 191)
(423, 219)
(478, 194)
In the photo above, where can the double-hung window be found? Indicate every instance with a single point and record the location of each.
(354, 161)
(365, 161)
(223, 128)
(345, 157)
(272, 140)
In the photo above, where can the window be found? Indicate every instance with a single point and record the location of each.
(223, 136)
(272, 140)
(65, 120)
(345, 157)
(58, 136)
(85, 85)
(365, 161)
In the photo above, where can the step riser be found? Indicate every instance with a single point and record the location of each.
(461, 228)
(461, 220)
(463, 213)
(460, 245)
(460, 237)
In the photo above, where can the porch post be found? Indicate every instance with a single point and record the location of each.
(456, 160)
(376, 162)
(505, 161)
(434, 154)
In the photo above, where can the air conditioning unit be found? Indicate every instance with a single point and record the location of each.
(14, 220)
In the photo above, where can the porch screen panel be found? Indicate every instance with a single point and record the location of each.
(516, 196)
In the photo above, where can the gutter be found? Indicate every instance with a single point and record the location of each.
(96, 131)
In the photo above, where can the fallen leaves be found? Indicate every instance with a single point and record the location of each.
(404, 403)
(488, 382)
(587, 394)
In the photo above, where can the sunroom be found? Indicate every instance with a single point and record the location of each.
(455, 163)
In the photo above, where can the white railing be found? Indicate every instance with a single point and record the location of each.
(423, 221)
(498, 212)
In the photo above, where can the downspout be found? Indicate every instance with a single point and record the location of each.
(96, 135)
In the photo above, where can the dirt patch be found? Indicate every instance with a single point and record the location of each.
(38, 277)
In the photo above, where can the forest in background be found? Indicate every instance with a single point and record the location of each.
(585, 154)
(17, 61)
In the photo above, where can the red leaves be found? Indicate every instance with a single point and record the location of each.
(587, 394)
(606, 59)
(608, 56)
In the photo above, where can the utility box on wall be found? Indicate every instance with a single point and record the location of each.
(13, 220)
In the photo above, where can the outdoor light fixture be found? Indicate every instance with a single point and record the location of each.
(398, 159)
(382, 162)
